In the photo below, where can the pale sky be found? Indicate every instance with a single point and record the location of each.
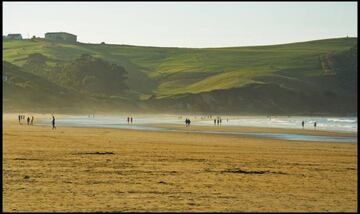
(184, 24)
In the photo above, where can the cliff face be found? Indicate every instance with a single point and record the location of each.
(260, 99)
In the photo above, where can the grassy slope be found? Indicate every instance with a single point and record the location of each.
(31, 91)
(259, 76)
(170, 71)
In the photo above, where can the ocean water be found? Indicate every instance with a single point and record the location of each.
(144, 122)
(347, 124)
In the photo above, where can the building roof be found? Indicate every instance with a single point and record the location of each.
(60, 33)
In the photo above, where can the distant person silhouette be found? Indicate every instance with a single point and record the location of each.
(302, 123)
(28, 120)
(215, 122)
(315, 125)
(128, 120)
(131, 119)
(32, 120)
(19, 117)
(53, 122)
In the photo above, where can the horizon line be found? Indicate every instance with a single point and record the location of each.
(151, 46)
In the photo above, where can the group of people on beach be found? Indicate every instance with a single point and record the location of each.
(129, 120)
(31, 121)
(28, 120)
(187, 122)
(218, 121)
(303, 124)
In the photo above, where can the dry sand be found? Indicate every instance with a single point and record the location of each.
(94, 169)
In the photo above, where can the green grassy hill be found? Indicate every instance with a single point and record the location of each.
(22, 90)
(162, 77)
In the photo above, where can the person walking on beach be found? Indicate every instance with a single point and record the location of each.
(302, 123)
(19, 116)
(131, 119)
(28, 120)
(53, 122)
(32, 120)
(215, 122)
(315, 125)
(128, 120)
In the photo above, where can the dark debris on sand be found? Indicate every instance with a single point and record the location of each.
(240, 171)
(96, 153)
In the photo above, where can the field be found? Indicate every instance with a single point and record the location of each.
(93, 169)
(172, 71)
(305, 78)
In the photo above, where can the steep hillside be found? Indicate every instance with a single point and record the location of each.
(22, 90)
(264, 78)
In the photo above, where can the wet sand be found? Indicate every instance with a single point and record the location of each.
(225, 128)
(99, 169)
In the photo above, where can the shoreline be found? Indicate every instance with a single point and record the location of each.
(260, 130)
(244, 132)
(204, 128)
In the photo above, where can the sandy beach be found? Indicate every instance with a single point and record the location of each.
(103, 169)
